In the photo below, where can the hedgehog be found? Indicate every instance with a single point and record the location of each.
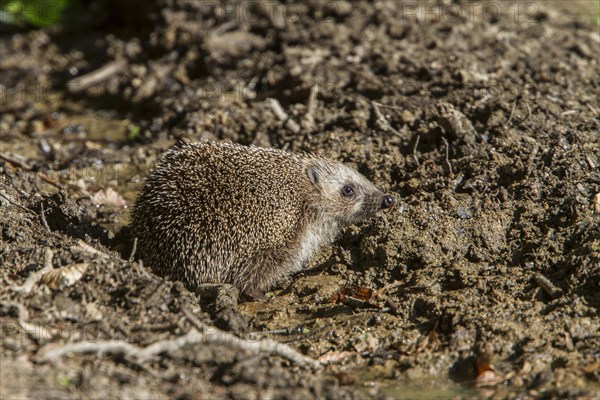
(215, 212)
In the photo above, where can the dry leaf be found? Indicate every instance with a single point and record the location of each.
(334, 356)
(591, 367)
(66, 276)
(89, 145)
(108, 197)
(488, 378)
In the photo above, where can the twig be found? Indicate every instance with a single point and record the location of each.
(528, 112)
(133, 250)
(531, 159)
(274, 12)
(382, 121)
(590, 161)
(34, 278)
(548, 286)
(169, 346)
(388, 287)
(101, 74)
(108, 347)
(83, 246)
(448, 155)
(47, 179)
(262, 346)
(388, 106)
(512, 112)
(43, 218)
(15, 161)
(567, 113)
(298, 330)
(224, 27)
(309, 118)
(282, 115)
(140, 266)
(415, 151)
(17, 205)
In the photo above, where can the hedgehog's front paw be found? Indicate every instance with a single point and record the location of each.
(221, 294)
(222, 299)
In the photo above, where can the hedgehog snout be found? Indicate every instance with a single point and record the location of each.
(375, 202)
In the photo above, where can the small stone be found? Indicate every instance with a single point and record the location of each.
(407, 117)
(36, 126)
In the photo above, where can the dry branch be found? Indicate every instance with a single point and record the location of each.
(93, 78)
(43, 218)
(35, 277)
(447, 159)
(282, 115)
(50, 353)
(133, 250)
(548, 287)
(382, 121)
(415, 151)
(19, 162)
(83, 246)
(263, 346)
(309, 118)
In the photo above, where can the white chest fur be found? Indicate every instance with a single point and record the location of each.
(314, 236)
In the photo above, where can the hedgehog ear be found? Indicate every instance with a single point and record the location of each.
(313, 174)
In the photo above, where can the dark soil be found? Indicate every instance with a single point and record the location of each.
(483, 118)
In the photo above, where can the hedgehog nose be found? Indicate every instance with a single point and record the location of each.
(387, 202)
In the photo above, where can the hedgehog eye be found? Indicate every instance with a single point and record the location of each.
(348, 191)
